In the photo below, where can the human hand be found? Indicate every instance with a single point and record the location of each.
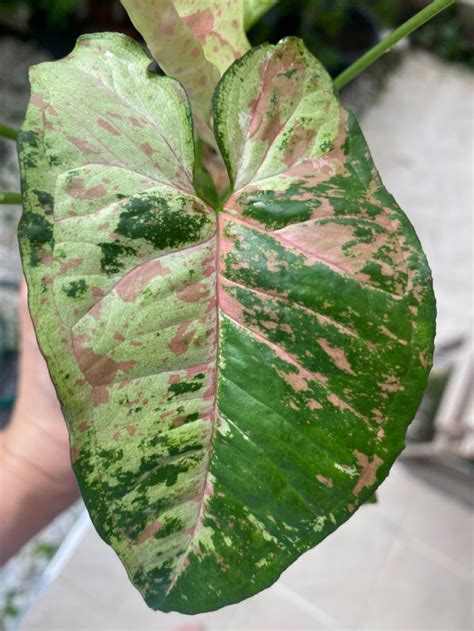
(36, 478)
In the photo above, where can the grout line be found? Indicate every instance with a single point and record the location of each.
(319, 615)
(60, 559)
(441, 559)
(65, 550)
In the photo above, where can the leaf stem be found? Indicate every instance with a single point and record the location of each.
(8, 132)
(393, 38)
(10, 198)
(254, 10)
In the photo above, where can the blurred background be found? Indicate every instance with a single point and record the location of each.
(404, 563)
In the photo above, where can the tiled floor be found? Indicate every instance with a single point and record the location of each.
(406, 563)
(403, 564)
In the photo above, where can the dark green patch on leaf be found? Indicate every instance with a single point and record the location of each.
(37, 230)
(111, 254)
(151, 218)
(46, 200)
(180, 388)
(76, 288)
(275, 211)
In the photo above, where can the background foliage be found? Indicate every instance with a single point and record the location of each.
(324, 25)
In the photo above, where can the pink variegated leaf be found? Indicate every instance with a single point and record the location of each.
(219, 26)
(236, 381)
(208, 37)
(165, 32)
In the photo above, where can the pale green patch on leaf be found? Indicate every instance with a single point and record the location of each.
(235, 384)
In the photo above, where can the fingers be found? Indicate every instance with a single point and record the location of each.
(33, 378)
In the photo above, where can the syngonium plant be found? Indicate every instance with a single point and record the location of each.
(237, 369)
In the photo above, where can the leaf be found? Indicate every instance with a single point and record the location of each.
(233, 396)
(208, 35)
(111, 229)
(164, 32)
(255, 9)
(219, 26)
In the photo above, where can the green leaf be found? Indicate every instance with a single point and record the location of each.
(235, 385)
(326, 324)
(208, 35)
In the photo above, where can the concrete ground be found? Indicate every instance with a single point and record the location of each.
(404, 564)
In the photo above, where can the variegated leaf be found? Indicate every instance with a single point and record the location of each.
(165, 33)
(119, 257)
(208, 35)
(235, 385)
(219, 26)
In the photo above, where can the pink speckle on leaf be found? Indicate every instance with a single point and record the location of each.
(68, 265)
(296, 380)
(326, 481)
(98, 369)
(108, 127)
(339, 403)
(147, 149)
(83, 145)
(193, 293)
(337, 355)
(368, 474)
(181, 341)
(150, 531)
(130, 287)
